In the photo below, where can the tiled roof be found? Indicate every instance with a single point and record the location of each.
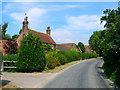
(45, 38)
(66, 46)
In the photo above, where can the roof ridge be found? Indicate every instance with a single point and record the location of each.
(38, 32)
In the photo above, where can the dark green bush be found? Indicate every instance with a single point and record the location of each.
(31, 54)
(11, 57)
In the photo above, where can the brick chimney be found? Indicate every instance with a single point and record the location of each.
(25, 26)
(48, 31)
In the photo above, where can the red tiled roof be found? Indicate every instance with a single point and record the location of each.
(66, 46)
(45, 38)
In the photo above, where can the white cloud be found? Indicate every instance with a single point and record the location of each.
(34, 15)
(83, 22)
(77, 29)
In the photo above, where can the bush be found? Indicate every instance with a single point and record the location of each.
(31, 54)
(54, 59)
(61, 58)
(70, 55)
(89, 55)
(10, 57)
(51, 62)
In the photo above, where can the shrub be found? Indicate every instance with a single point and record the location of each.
(31, 54)
(70, 55)
(51, 62)
(10, 57)
(61, 58)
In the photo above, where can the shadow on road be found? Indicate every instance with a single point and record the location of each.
(5, 82)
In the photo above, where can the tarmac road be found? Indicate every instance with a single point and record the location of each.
(87, 74)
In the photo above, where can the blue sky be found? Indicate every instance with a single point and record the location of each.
(70, 22)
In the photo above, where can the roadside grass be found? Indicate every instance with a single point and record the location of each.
(8, 86)
(62, 67)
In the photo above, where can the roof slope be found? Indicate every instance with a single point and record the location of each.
(66, 46)
(45, 38)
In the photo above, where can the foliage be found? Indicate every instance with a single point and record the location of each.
(31, 54)
(96, 42)
(47, 47)
(10, 57)
(61, 58)
(88, 55)
(70, 55)
(10, 47)
(15, 36)
(20, 31)
(108, 41)
(54, 59)
(4, 27)
(81, 46)
(6, 37)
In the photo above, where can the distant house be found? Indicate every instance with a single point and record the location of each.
(45, 37)
(89, 49)
(67, 46)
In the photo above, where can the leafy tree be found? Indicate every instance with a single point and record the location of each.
(15, 36)
(4, 27)
(31, 54)
(10, 47)
(96, 41)
(7, 36)
(81, 46)
(108, 41)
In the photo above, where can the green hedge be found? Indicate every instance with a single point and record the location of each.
(10, 57)
(70, 55)
(54, 59)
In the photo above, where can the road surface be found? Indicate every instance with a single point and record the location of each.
(82, 75)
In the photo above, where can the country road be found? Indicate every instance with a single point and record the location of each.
(82, 75)
(86, 74)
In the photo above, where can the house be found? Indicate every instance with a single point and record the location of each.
(67, 46)
(89, 49)
(45, 37)
(2, 43)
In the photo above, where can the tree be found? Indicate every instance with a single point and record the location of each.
(96, 41)
(15, 36)
(7, 36)
(4, 27)
(10, 47)
(108, 41)
(31, 54)
(81, 46)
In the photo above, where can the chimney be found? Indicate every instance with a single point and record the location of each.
(25, 26)
(48, 31)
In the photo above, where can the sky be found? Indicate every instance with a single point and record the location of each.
(70, 22)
